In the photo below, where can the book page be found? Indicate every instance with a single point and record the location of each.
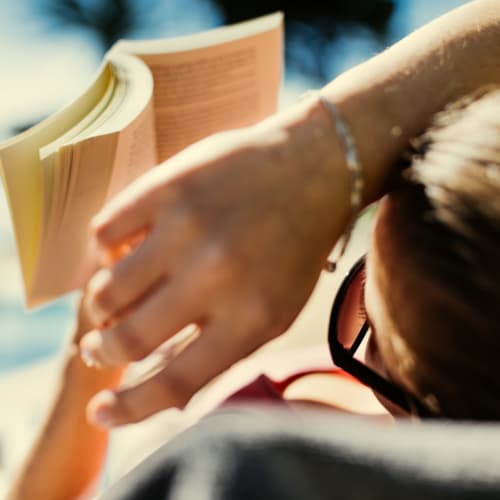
(85, 180)
(207, 89)
(112, 151)
(88, 121)
(136, 151)
(61, 264)
(22, 173)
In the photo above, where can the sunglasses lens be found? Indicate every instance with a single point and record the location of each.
(351, 314)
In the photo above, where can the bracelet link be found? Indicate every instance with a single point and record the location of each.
(353, 165)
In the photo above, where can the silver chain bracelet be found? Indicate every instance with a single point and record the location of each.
(353, 165)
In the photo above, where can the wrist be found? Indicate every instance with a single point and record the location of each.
(304, 140)
(375, 122)
(391, 98)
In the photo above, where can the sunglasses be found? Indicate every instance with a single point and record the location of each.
(348, 334)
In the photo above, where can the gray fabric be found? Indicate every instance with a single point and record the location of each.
(257, 454)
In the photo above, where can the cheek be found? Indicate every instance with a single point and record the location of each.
(383, 328)
(393, 409)
(372, 358)
(374, 361)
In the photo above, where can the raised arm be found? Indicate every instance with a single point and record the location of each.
(391, 97)
(239, 225)
(67, 455)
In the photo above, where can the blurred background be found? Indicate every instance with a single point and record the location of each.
(49, 50)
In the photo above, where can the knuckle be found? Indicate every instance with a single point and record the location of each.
(220, 261)
(215, 256)
(103, 300)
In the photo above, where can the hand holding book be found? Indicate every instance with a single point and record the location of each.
(149, 100)
(231, 245)
(273, 200)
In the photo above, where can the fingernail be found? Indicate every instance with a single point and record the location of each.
(100, 409)
(89, 344)
(87, 358)
(103, 418)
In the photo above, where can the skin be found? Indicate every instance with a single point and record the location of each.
(238, 226)
(235, 231)
(68, 448)
(384, 350)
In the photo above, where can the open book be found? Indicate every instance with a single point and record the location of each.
(149, 100)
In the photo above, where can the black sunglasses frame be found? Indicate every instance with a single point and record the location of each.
(344, 357)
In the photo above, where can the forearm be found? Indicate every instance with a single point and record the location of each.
(68, 453)
(391, 97)
(385, 101)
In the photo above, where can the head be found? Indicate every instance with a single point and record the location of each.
(433, 271)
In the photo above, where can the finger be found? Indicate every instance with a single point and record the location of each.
(130, 212)
(112, 289)
(163, 313)
(213, 352)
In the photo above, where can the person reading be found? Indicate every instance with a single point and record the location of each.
(435, 240)
(238, 226)
(425, 298)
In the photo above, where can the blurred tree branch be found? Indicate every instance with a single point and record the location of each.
(109, 20)
(312, 26)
